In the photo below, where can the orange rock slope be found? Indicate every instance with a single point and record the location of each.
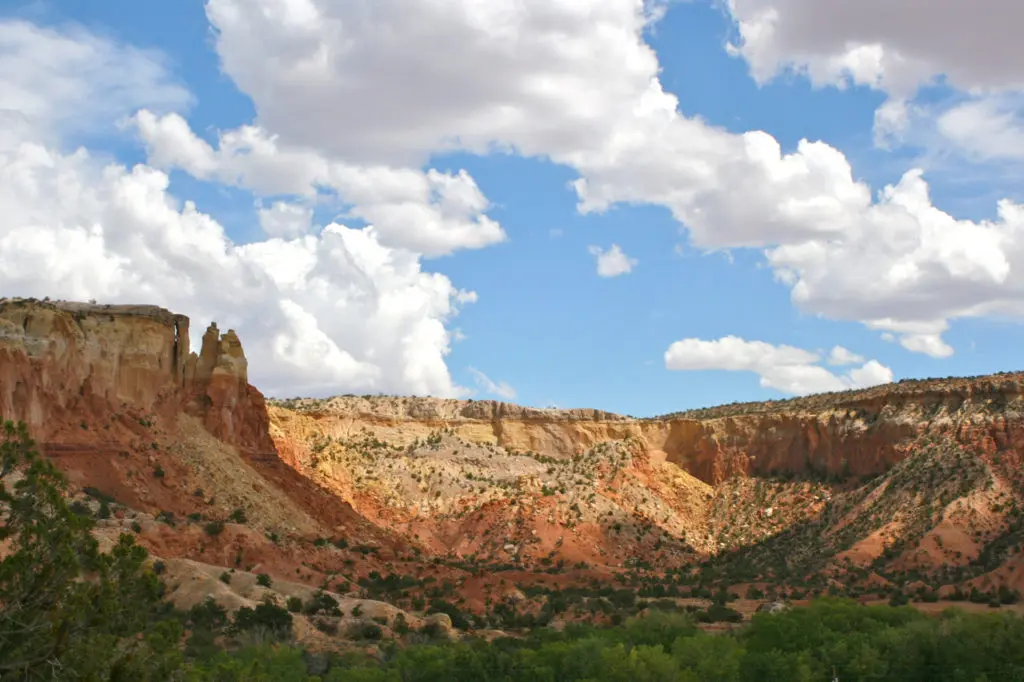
(875, 487)
(822, 484)
(115, 396)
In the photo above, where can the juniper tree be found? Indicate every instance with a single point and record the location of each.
(67, 610)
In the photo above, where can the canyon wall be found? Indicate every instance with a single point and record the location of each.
(62, 364)
(858, 433)
(855, 433)
(66, 364)
(104, 389)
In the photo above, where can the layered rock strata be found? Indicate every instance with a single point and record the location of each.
(63, 363)
(853, 434)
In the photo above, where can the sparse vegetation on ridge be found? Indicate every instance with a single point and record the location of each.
(994, 384)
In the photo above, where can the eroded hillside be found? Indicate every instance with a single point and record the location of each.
(171, 445)
(855, 487)
(507, 513)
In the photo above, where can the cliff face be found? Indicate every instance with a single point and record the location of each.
(916, 474)
(217, 386)
(854, 434)
(62, 363)
(116, 395)
(859, 433)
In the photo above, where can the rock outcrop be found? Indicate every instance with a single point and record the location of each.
(916, 474)
(65, 363)
(857, 433)
(841, 435)
(217, 385)
(919, 473)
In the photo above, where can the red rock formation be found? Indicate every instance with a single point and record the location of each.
(62, 364)
(855, 434)
(217, 389)
(87, 379)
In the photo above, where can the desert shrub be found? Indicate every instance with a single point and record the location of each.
(265, 618)
(323, 603)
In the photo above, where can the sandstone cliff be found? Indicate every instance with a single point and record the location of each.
(917, 474)
(920, 475)
(852, 434)
(64, 363)
(116, 398)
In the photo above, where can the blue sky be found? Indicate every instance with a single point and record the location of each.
(544, 322)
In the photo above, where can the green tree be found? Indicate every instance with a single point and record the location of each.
(263, 663)
(67, 610)
(266, 619)
(714, 658)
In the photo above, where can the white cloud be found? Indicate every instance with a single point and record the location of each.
(892, 120)
(920, 337)
(893, 47)
(285, 220)
(319, 314)
(987, 128)
(74, 81)
(576, 83)
(500, 389)
(612, 262)
(908, 268)
(430, 212)
(884, 44)
(842, 356)
(316, 313)
(409, 78)
(355, 101)
(784, 368)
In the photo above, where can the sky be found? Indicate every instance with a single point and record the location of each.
(640, 206)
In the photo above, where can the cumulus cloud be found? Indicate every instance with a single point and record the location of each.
(841, 356)
(576, 83)
(534, 76)
(784, 368)
(879, 44)
(352, 104)
(500, 389)
(341, 309)
(430, 212)
(927, 266)
(73, 81)
(613, 261)
(284, 219)
(316, 313)
(882, 44)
